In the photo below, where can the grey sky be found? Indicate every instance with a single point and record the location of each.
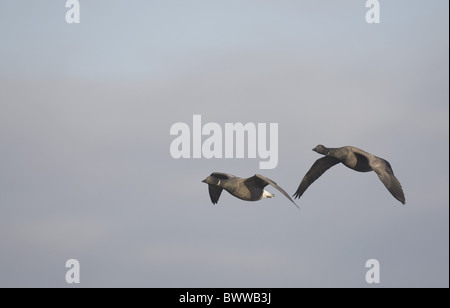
(86, 172)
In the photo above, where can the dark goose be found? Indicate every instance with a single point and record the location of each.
(250, 189)
(357, 160)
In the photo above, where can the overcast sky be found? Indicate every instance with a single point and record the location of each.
(85, 165)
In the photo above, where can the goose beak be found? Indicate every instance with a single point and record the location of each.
(315, 150)
(204, 181)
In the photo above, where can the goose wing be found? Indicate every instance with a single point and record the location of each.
(318, 168)
(384, 171)
(261, 181)
(214, 193)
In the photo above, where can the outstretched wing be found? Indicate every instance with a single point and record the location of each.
(214, 193)
(261, 182)
(387, 177)
(318, 168)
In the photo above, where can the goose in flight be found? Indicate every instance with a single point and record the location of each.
(250, 189)
(357, 160)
